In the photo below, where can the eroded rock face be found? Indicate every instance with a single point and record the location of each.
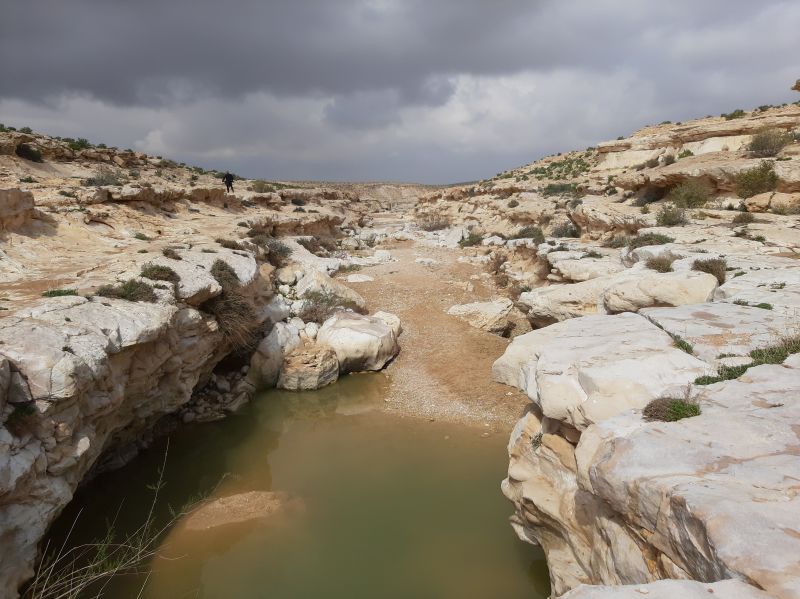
(360, 342)
(16, 208)
(617, 500)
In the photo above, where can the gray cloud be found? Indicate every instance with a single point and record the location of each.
(435, 90)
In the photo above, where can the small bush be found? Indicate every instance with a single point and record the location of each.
(774, 354)
(27, 152)
(235, 316)
(260, 186)
(27, 179)
(769, 143)
(225, 275)
(433, 223)
(713, 266)
(743, 218)
(669, 159)
(565, 229)
(59, 292)
(79, 144)
(646, 239)
(661, 263)
(142, 237)
(105, 176)
(22, 418)
(531, 232)
(171, 254)
(690, 194)
(513, 204)
(683, 345)
(685, 154)
(553, 189)
(669, 409)
(131, 290)
(279, 252)
(157, 272)
(321, 305)
(736, 114)
(471, 240)
(756, 180)
(67, 194)
(229, 244)
(671, 216)
(618, 241)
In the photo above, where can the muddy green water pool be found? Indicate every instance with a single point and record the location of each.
(392, 507)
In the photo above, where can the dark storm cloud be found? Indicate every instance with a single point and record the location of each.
(433, 89)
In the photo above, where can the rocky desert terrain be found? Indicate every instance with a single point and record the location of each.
(629, 313)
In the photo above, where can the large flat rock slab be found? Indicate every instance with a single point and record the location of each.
(721, 329)
(587, 369)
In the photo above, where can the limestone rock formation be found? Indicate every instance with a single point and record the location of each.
(360, 342)
(309, 367)
(499, 316)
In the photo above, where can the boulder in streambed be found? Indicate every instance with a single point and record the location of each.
(309, 367)
(360, 342)
(499, 317)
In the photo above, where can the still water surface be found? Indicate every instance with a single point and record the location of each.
(394, 507)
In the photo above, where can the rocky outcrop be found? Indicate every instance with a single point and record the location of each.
(309, 367)
(359, 342)
(499, 317)
(617, 500)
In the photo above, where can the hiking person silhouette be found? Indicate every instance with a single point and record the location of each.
(228, 180)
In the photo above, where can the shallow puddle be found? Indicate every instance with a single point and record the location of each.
(390, 507)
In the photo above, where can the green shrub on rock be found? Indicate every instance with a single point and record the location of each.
(756, 180)
(690, 194)
(670, 409)
(713, 266)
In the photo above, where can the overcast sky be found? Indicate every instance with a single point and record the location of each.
(405, 90)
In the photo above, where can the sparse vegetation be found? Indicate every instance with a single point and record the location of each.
(646, 239)
(774, 354)
(157, 272)
(319, 246)
(22, 419)
(105, 176)
(28, 152)
(670, 215)
(756, 180)
(565, 229)
(682, 344)
(471, 239)
(131, 290)
(618, 241)
(78, 144)
(141, 236)
(690, 194)
(171, 254)
(513, 204)
(769, 143)
(318, 306)
(661, 263)
(685, 154)
(433, 222)
(225, 275)
(552, 189)
(743, 218)
(59, 292)
(530, 232)
(229, 244)
(670, 409)
(736, 114)
(279, 252)
(713, 266)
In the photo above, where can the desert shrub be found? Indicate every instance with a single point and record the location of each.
(769, 143)
(495, 263)
(530, 232)
(649, 195)
(319, 246)
(235, 316)
(79, 144)
(690, 194)
(743, 218)
(682, 344)
(171, 254)
(645, 239)
(661, 263)
(27, 179)
(225, 275)
(28, 152)
(618, 241)
(736, 114)
(754, 181)
(651, 163)
(565, 229)
(260, 186)
(513, 204)
(774, 354)
(671, 215)
(685, 154)
(670, 409)
(22, 418)
(279, 252)
(669, 159)
(552, 189)
(318, 306)
(131, 290)
(713, 266)
(471, 240)
(141, 236)
(592, 254)
(59, 292)
(230, 244)
(157, 272)
(105, 176)
(433, 222)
